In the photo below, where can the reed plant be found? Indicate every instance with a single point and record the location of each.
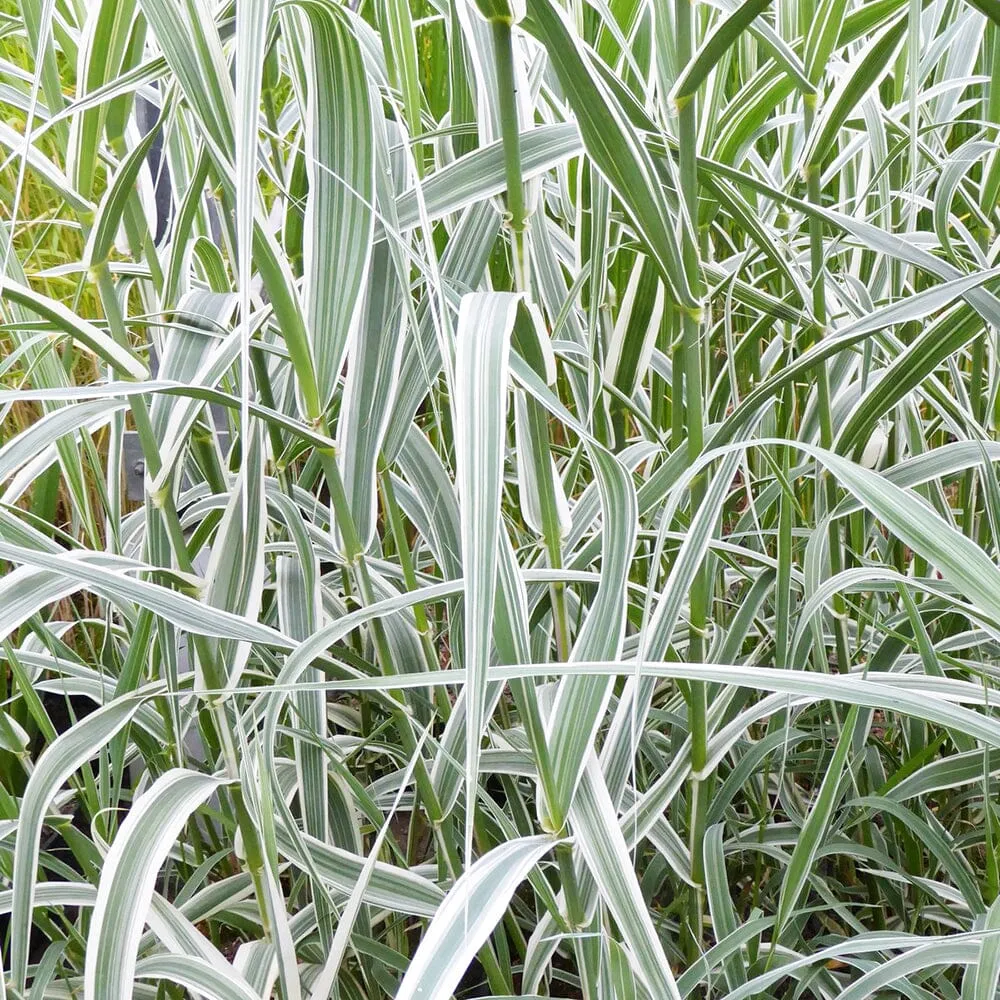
(562, 559)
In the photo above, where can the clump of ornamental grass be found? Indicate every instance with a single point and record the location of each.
(499, 499)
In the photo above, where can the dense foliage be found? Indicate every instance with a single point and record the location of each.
(561, 550)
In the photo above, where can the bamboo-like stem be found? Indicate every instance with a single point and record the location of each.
(503, 48)
(825, 485)
(913, 84)
(700, 594)
(518, 223)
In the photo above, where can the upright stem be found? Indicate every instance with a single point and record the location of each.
(691, 326)
(814, 194)
(677, 391)
(517, 222)
(538, 430)
(824, 481)
(503, 47)
(510, 128)
(913, 71)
